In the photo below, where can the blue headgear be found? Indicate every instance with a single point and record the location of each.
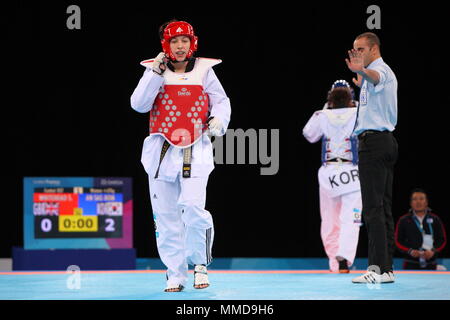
(340, 83)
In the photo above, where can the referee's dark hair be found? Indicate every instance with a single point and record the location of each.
(418, 190)
(371, 37)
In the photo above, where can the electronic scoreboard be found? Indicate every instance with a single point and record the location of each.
(77, 212)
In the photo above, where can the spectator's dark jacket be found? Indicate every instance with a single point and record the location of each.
(408, 236)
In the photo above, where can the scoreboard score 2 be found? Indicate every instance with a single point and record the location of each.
(97, 210)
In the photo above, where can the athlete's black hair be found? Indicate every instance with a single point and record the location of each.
(340, 97)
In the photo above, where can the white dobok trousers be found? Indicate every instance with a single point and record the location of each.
(184, 229)
(340, 213)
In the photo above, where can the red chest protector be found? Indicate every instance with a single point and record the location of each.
(181, 107)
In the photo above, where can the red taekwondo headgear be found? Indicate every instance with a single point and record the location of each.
(178, 28)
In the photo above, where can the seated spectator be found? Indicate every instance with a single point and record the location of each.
(420, 234)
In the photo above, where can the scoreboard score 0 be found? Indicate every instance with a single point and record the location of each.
(77, 212)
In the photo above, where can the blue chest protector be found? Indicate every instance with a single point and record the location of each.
(353, 148)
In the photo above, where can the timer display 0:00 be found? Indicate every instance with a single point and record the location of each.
(77, 224)
(72, 223)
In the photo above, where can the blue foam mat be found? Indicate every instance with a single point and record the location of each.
(224, 286)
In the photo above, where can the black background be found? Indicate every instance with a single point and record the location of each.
(66, 111)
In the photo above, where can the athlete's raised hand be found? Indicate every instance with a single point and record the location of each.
(160, 63)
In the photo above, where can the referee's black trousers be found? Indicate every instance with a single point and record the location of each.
(378, 153)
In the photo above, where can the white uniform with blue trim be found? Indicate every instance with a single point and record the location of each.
(184, 229)
(340, 196)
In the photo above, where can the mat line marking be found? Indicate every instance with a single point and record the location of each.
(212, 272)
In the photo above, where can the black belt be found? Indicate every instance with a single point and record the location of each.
(367, 132)
(187, 157)
(164, 149)
(338, 160)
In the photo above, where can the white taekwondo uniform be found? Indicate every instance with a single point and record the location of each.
(184, 229)
(340, 196)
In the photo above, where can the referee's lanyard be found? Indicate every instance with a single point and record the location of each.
(427, 238)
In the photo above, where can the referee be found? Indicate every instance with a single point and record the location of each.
(378, 150)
